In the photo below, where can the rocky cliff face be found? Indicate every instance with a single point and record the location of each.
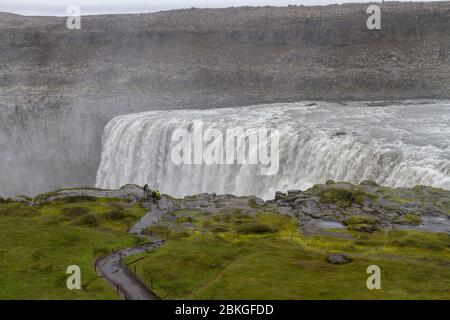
(59, 87)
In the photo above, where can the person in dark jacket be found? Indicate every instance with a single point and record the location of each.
(146, 190)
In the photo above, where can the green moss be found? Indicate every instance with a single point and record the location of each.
(359, 196)
(340, 197)
(405, 240)
(231, 217)
(17, 209)
(179, 235)
(75, 212)
(255, 227)
(218, 228)
(88, 220)
(409, 219)
(361, 219)
(115, 214)
(159, 230)
(419, 195)
(343, 195)
(363, 227)
(100, 250)
(184, 219)
(72, 199)
(8, 200)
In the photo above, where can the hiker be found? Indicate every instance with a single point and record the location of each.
(146, 190)
(156, 195)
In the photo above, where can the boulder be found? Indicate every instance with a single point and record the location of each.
(338, 258)
(279, 195)
(282, 203)
(259, 202)
(312, 210)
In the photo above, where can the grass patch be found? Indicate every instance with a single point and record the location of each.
(360, 219)
(409, 219)
(75, 212)
(38, 243)
(88, 220)
(18, 210)
(185, 219)
(255, 227)
(279, 263)
(115, 214)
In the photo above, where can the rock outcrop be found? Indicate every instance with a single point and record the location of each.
(366, 207)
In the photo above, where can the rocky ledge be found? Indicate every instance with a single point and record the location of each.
(365, 207)
(368, 206)
(323, 209)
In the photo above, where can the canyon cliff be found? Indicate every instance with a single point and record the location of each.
(59, 87)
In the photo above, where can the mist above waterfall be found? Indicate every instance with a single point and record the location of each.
(399, 146)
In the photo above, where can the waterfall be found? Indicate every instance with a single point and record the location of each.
(399, 146)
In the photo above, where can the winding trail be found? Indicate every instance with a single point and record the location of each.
(114, 269)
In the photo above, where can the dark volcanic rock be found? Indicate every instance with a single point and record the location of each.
(280, 195)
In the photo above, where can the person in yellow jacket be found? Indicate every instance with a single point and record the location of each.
(156, 195)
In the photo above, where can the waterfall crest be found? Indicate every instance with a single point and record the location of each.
(398, 146)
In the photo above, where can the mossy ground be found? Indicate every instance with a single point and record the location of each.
(216, 258)
(226, 255)
(344, 197)
(410, 219)
(423, 196)
(38, 243)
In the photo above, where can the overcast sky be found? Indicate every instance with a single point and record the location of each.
(59, 7)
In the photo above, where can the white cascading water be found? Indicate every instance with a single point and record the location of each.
(399, 146)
